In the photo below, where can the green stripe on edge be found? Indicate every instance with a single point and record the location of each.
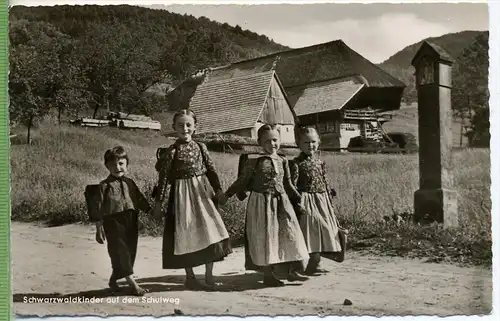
(5, 295)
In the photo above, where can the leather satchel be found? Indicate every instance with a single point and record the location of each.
(93, 200)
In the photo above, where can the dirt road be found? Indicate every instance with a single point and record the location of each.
(48, 263)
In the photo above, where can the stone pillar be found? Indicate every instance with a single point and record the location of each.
(436, 199)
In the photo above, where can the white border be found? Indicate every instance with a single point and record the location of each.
(494, 87)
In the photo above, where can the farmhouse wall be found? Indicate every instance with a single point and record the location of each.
(246, 132)
(348, 130)
(286, 132)
(276, 109)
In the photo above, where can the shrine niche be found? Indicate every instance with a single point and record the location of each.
(425, 71)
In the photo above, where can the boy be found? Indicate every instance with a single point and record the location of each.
(120, 201)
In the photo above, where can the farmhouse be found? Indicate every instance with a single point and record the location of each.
(241, 104)
(330, 86)
(334, 107)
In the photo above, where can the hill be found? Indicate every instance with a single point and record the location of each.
(469, 97)
(453, 43)
(162, 25)
(399, 64)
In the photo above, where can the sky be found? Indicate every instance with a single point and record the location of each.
(376, 31)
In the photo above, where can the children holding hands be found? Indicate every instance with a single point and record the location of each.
(289, 215)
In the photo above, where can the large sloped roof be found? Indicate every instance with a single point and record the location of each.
(317, 63)
(232, 103)
(324, 96)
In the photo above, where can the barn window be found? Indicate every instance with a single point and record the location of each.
(326, 127)
(330, 127)
(321, 128)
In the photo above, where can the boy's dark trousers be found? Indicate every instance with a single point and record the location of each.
(122, 234)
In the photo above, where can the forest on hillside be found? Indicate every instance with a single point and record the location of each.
(470, 93)
(399, 64)
(80, 60)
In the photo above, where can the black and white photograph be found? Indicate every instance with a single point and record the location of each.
(249, 159)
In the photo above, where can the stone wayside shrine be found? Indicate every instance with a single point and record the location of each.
(436, 199)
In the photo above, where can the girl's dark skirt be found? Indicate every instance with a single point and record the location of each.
(213, 253)
(122, 234)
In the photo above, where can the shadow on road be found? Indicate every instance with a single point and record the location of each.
(167, 283)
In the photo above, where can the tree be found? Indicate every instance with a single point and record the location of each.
(35, 70)
(197, 50)
(470, 93)
(107, 57)
(479, 133)
(118, 66)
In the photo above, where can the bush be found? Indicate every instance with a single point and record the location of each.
(364, 145)
(406, 141)
(466, 246)
(479, 134)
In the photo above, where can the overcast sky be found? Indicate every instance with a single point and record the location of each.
(374, 30)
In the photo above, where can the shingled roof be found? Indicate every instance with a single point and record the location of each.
(230, 103)
(324, 96)
(437, 50)
(316, 63)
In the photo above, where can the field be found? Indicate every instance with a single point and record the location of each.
(405, 119)
(48, 178)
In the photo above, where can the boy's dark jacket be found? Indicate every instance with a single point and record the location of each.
(99, 198)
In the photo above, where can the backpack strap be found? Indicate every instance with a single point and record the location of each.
(241, 163)
(203, 154)
(159, 153)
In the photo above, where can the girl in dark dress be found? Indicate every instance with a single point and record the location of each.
(194, 231)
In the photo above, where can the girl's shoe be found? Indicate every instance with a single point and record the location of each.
(315, 272)
(272, 282)
(294, 276)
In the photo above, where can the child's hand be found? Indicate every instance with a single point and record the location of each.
(157, 211)
(301, 211)
(100, 237)
(221, 196)
(286, 215)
